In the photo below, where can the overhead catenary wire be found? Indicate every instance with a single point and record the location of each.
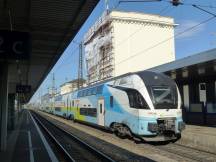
(164, 9)
(190, 4)
(67, 59)
(135, 1)
(176, 35)
(139, 29)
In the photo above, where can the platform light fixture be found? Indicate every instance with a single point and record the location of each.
(201, 70)
(185, 73)
(173, 74)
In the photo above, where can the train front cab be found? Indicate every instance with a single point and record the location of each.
(164, 119)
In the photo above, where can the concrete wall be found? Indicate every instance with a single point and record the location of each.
(136, 39)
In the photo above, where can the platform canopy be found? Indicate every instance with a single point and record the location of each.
(52, 24)
(195, 68)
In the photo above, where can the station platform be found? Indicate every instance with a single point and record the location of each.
(199, 137)
(27, 143)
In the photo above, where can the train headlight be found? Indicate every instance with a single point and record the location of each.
(152, 127)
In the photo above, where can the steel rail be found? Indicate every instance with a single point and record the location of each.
(93, 150)
(62, 149)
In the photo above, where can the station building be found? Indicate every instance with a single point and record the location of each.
(195, 76)
(71, 86)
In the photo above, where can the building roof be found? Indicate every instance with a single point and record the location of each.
(199, 58)
(73, 81)
(52, 24)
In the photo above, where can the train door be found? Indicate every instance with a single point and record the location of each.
(77, 109)
(101, 112)
(67, 106)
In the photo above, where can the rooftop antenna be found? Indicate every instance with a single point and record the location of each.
(107, 5)
(53, 85)
(80, 66)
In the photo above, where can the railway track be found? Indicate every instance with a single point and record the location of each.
(72, 148)
(189, 152)
(181, 152)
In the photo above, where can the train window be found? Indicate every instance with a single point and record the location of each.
(111, 101)
(88, 112)
(123, 81)
(115, 82)
(136, 100)
(83, 111)
(164, 97)
(93, 91)
(80, 93)
(88, 92)
(84, 93)
(99, 89)
(57, 109)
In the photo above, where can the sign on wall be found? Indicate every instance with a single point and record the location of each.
(23, 89)
(14, 45)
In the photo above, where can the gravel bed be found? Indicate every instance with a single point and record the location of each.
(113, 146)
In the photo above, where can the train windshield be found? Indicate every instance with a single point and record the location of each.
(163, 97)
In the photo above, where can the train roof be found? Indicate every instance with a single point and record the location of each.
(140, 73)
(144, 72)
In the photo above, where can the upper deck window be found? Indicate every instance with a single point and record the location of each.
(99, 89)
(91, 91)
(136, 100)
(123, 81)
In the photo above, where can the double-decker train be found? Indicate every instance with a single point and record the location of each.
(143, 104)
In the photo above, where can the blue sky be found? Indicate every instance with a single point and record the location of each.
(200, 39)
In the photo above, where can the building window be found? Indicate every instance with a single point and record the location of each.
(111, 101)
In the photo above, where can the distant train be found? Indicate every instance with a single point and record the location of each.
(143, 104)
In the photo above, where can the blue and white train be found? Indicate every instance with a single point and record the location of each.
(145, 104)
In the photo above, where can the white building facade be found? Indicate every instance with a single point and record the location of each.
(121, 42)
(71, 86)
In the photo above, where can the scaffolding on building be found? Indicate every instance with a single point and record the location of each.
(99, 50)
